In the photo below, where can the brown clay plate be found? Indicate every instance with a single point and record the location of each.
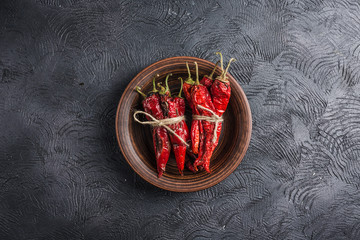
(135, 140)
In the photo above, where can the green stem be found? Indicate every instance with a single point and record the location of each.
(162, 89)
(181, 87)
(154, 90)
(189, 80)
(227, 68)
(138, 90)
(197, 74)
(167, 89)
(188, 69)
(213, 71)
(221, 60)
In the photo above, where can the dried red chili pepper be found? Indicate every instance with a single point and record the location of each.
(151, 105)
(189, 82)
(175, 107)
(189, 160)
(207, 81)
(196, 131)
(220, 92)
(196, 126)
(220, 89)
(201, 96)
(186, 87)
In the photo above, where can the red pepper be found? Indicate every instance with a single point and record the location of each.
(201, 96)
(189, 165)
(207, 81)
(220, 91)
(180, 103)
(197, 134)
(174, 107)
(189, 82)
(196, 126)
(189, 160)
(151, 105)
(196, 131)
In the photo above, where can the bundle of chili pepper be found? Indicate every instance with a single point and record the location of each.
(152, 106)
(204, 136)
(174, 107)
(220, 92)
(196, 126)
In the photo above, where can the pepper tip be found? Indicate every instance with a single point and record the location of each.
(160, 173)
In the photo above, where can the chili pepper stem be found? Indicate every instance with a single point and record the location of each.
(227, 68)
(181, 87)
(213, 71)
(162, 89)
(188, 69)
(138, 89)
(189, 80)
(221, 60)
(197, 74)
(167, 89)
(154, 90)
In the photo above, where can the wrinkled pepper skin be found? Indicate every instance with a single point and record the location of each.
(161, 141)
(196, 129)
(220, 92)
(189, 160)
(183, 131)
(201, 96)
(196, 126)
(206, 81)
(187, 92)
(174, 107)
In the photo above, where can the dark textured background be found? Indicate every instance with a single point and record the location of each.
(64, 65)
